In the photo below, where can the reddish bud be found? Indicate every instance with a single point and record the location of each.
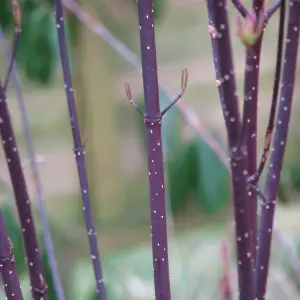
(16, 13)
(250, 28)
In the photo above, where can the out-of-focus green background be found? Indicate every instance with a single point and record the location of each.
(199, 201)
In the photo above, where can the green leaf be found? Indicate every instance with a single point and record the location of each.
(182, 175)
(40, 61)
(15, 234)
(6, 19)
(213, 188)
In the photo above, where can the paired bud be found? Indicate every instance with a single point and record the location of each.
(249, 29)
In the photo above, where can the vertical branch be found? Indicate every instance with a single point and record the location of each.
(278, 148)
(33, 255)
(8, 269)
(155, 155)
(269, 132)
(249, 131)
(222, 51)
(79, 151)
(39, 191)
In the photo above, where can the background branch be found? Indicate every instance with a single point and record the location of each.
(79, 151)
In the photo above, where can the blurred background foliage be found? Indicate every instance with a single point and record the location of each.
(199, 197)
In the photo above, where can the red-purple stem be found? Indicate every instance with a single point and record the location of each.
(270, 128)
(153, 119)
(8, 269)
(33, 255)
(249, 127)
(240, 7)
(79, 151)
(222, 52)
(278, 148)
(35, 173)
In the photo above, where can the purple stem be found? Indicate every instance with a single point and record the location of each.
(271, 11)
(79, 151)
(222, 51)
(8, 269)
(249, 131)
(278, 148)
(240, 7)
(33, 256)
(153, 119)
(35, 173)
(270, 127)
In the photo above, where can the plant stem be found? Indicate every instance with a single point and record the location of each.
(153, 120)
(33, 256)
(249, 131)
(79, 151)
(222, 52)
(270, 127)
(278, 148)
(8, 269)
(188, 114)
(240, 7)
(33, 164)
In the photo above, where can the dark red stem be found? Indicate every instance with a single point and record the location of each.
(222, 52)
(33, 256)
(249, 127)
(278, 148)
(79, 151)
(153, 119)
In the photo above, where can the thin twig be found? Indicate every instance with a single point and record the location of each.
(240, 7)
(35, 173)
(270, 127)
(79, 150)
(271, 11)
(130, 99)
(184, 81)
